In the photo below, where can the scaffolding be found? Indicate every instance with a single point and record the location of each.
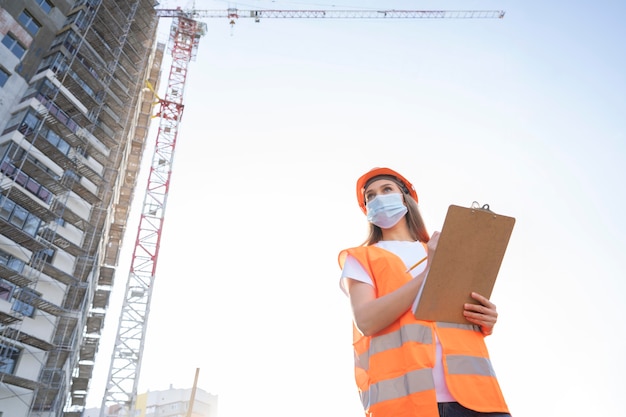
(71, 165)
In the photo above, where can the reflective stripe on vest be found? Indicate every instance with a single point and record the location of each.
(464, 364)
(394, 388)
(408, 333)
(461, 326)
(469, 365)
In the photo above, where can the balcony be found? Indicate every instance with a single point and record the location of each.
(22, 337)
(20, 237)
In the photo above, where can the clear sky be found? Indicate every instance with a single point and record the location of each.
(525, 113)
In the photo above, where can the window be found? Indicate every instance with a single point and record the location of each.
(31, 225)
(8, 358)
(56, 140)
(56, 62)
(44, 195)
(69, 39)
(45, 5)
(6, 289)
(16, 265)
(13, 45)
(4, 77)
(15, 120)
(24, 179)
(23, 308)
(48, 89)
(29, 124)
(23, 300)
(21, 178)
(29, 22)
(32, 186)
(8, 261)
(7, 168)
(48, 255)
(6, 208)
(19, 216)
(80, 19)
(4, 258)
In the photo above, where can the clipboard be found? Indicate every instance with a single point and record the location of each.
(469, 253)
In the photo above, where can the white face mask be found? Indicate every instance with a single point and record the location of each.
(386, 210)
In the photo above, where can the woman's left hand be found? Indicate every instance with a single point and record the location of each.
(485, 315)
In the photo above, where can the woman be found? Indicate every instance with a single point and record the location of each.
(406, 367)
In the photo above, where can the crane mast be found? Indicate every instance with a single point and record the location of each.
(121, 389)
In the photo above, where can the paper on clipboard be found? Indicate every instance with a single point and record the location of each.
(468, 257)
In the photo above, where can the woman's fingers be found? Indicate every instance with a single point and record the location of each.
(484, 314)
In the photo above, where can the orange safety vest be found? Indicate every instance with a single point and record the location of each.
(393, 368)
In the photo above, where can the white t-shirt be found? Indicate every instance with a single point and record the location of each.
(410, 253)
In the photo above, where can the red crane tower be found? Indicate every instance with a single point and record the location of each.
(125, 365)
(185, 33)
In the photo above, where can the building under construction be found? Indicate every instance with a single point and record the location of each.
(74, 118)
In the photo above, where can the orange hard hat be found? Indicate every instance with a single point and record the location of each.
(377, 172)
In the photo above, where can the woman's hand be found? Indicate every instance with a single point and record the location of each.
(485, 315)
(432, 247)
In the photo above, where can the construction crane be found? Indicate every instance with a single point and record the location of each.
(121, 389)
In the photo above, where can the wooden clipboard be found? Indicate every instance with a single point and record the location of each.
(468, 257)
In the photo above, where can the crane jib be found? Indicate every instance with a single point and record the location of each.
(332, 14)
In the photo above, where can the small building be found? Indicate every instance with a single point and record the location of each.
(172, 402)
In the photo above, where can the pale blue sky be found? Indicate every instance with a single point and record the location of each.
(526, 114)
